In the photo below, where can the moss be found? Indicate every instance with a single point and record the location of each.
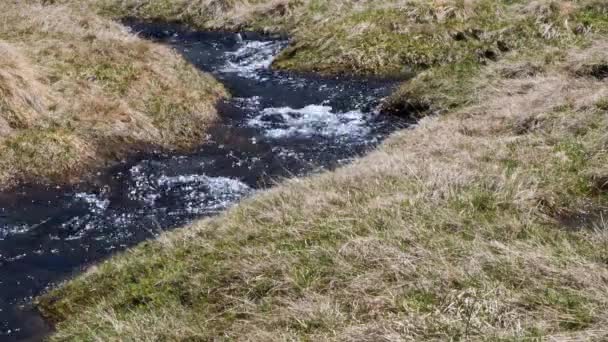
(570, 305)
(116, 77)
(419, 301)
(593, 17)
(435, 90)
(602, 104)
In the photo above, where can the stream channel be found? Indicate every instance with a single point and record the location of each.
(275, 125)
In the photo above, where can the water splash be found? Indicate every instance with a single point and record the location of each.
(309, 121)
(251, 57)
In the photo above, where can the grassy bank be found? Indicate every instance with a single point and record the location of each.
(78, 91)
(379, 37)
(484, 223)
(441, 43)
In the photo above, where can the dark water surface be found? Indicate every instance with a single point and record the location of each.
(276, 125)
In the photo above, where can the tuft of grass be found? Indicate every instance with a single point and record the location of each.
(51, 153)
(78, 91)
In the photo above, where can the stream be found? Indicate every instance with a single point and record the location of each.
(276, 125)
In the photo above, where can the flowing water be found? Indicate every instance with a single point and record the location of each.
(276, 125)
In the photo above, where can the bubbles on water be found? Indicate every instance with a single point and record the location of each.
(247, 103)
(143, 186)
(96, 203)
(193, 194)
(201, 194)
(310, 121)
(11, 229)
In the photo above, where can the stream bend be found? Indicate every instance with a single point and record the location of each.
(276, 125)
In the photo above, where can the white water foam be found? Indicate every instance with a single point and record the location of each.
(7, 230)
(200, 193)
(247, 103)
(206, 194)
(96, 203)
(251, 57)
(143, 188)
(308, 121)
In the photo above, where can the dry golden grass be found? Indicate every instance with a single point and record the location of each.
(79, 91)
(24, 98)
(486, 223)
